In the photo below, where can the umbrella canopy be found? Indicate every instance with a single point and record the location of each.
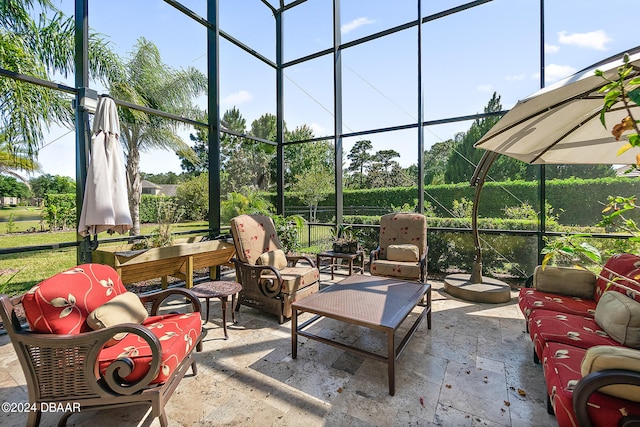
(105, 206)
(560, 124)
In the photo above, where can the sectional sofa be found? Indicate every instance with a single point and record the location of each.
(585, 330)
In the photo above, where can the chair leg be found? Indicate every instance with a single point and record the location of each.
(33, 420)
(164, 422)
(194, 368)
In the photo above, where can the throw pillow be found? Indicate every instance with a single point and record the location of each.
(403, 253)
(276, 259)
(603, 357)
(124, 308)
(565, 281)
(619, 316)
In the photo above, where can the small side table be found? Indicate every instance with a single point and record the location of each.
(219, 289)
(359, 255)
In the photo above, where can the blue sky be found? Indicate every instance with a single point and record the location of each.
(465, 58)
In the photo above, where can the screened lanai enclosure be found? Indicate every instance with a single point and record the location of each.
(335, 110)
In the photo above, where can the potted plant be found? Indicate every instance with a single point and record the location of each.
(345, 240)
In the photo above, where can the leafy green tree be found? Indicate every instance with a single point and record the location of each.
(435, 161)
(360, 159)
(52, 184)
(465, 157)
(163, 178)
(11, 187)
(149, 82)
(193, 196)
(41, 48)
(308, 157)
(314, 186)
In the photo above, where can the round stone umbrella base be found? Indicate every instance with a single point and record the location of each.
(490, 290)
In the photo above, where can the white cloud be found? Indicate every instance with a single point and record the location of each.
(237, 98)
(484, 88)
(359, 22)
(555, 72)
(592, 40)
(516, 77)
(318, 130)
(551, 48)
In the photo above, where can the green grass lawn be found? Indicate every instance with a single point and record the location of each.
(33, 267)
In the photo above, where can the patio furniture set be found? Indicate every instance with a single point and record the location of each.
(90, 344)
(586, 331)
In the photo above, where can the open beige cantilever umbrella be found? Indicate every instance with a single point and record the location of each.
(559, 124)
(105, 206)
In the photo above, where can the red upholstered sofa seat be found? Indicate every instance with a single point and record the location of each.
(561, 363)
(62, 303)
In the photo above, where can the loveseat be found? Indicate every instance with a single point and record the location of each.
(586, 332)
(93, 345)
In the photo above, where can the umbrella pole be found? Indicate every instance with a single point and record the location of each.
(474, 287)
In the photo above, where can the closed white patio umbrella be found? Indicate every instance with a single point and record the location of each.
(105, 206)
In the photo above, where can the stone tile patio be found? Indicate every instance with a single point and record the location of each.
(473, 368)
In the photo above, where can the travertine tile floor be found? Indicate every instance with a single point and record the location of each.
(473, 368)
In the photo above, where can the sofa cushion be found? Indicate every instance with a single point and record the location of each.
(565, 281)
(276, 259)
(124, 308)
(294, 278)
(407, 270)
(405, 253)
(549, 326)
(178, 333)
(629, 285)
(619, 316)
(601, 357)
(61, 303)
(561, 364)
(530, 299)
(617, 265)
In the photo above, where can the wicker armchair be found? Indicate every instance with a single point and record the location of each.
(78, 369)
(270, 281)
(403, 247)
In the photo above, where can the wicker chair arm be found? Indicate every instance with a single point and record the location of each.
(295, 258)
(86, 348)
(375, 254)
(155, 300)
(255, 272)
(594, 381)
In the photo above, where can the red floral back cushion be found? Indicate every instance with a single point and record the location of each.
(61, 303)
(622, 264)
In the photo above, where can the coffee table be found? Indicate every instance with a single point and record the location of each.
(374, 302)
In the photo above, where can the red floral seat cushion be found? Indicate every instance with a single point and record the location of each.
(61, 303)
(561, 364)
(531, 299)
(578, 331)
(178, 333)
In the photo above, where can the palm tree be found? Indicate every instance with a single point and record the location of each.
(40, 49)
(11, 161)
(149, 82)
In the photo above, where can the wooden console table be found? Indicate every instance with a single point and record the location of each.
(178, 260)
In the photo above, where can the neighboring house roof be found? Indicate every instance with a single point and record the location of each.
(149, 184)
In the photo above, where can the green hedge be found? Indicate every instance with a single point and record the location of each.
(575, 201)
